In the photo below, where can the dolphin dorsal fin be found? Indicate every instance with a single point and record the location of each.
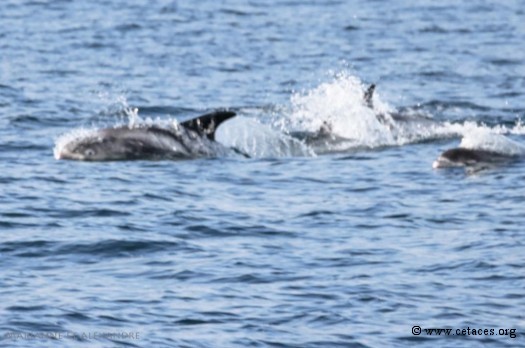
(369, 94)
(207, 124)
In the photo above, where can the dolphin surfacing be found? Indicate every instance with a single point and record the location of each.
(189, 139)
(463, 157)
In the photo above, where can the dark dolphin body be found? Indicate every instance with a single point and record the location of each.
(473, 158)
(190, 139)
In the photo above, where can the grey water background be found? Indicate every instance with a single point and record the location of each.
(340, 250)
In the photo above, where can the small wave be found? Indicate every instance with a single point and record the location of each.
(21, 145)
(128, 27)
(351, 28)
(114, 247)
(259, 278)
(442, 105)
(7, 87)
(19, 308)
(235, 12)
(36, 326)
(161, 110)
(505, 62)
(13, 225)
(179, 276)
(69, 213)
(434, 29)
(105, 248)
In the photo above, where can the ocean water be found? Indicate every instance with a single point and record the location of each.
(352, 245)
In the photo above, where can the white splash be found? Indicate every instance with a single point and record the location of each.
(340, 103)
(484, 138)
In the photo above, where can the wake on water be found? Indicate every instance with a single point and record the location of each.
(340, 103)
(267, 132)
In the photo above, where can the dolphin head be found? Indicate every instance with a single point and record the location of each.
(121, 143)
(88, 149)
(455, 158)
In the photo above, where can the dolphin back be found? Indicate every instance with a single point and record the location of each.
(207, 124)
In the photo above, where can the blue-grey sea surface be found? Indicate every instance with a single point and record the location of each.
(294, 246)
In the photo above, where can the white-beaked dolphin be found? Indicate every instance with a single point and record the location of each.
(189, 139)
